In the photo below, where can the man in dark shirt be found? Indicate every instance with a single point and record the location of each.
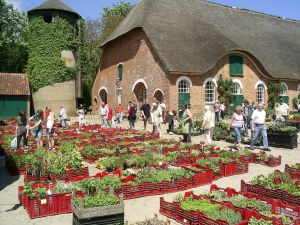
(146, 113)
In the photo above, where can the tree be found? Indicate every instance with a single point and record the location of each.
(225, 89)
(274, 89)
(95, 33)
(13, 27)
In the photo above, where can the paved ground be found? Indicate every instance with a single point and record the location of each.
(135, 210)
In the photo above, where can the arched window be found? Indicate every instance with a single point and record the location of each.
(210, 92)
(120, 71)
(260, 93)
(284, 89)
(144, 95)
(236, 88)
(184, 86)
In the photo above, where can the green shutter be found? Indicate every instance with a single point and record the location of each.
(285, 99)
(236, 100)
(120, 68)
(236, 65)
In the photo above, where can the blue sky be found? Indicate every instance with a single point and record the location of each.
(93, 8)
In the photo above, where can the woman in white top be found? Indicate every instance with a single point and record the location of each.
(208, 124)
(237, 123)
(50, 129)
(155, 117)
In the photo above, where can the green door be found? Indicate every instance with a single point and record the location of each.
(183, 99)
(237, 100)
(10, 106)
(285, 99)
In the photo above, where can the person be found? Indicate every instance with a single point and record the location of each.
(63, 116)
(237, 123)
(162, 108)
(47, 111)
(248, 110)
(103, 111)
(187, 123)
(131, 116)
(119, 113)
(155, 117)
(208, 124)
(299, 107)
(109, 116)
(50, 128)
(22, 129)
(81, 116)
(222, 110)
(135, 105)
(217, 111)
(146, 114)
(37, 129)
(258, 126)
(284, 110)
(170, 120)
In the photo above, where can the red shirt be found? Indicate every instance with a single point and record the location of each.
(110, 113)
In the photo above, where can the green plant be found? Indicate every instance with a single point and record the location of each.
(225, 89)
(100, 199)
(295, 103)
(274, 89)
(254, 221)
(213, 163)
(282, 128)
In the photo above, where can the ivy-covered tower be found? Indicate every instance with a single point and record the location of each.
(54, 40)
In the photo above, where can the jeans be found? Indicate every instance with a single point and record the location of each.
(104, 121)
(131, 124)
(248, 125)
(19, 137)
(171, 126)
(238, 131)
(260, 129)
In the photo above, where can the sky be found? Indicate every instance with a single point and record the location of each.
(92, 8)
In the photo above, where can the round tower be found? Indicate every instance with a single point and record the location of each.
(53, 42)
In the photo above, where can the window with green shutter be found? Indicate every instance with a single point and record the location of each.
(120, 68)
(236, 65)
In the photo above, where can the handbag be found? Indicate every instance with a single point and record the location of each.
(14, 143)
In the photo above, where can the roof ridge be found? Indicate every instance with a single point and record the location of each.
(252, 11)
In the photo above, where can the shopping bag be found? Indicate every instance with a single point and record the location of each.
(186, 128)
(14, 143)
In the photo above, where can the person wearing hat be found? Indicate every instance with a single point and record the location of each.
(63, 116)
(284, 110)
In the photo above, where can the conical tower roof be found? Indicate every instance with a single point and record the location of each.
(54, 5)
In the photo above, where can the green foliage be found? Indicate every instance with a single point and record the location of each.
(213, 211)
(45, 43)
(274, 89)
(254, 221)
(13, 27)
(295, 103)
(225, 89)
(100, 199)
(280, 127)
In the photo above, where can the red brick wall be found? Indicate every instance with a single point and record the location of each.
(140, 62)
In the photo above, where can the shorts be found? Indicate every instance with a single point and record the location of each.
(147, 120)
(49, 131)
(37, 134)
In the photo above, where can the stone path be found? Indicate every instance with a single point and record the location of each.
(135, 210)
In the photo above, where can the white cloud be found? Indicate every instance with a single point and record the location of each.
(16, 3)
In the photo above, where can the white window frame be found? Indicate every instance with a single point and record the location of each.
(260, 93)
(237, 89)
(184, 86)
(210, 94)
(284, 90)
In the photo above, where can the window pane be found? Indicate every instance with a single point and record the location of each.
(283, 90)
(260, 93)
(210, 92)
(236, 89)
(184, 86)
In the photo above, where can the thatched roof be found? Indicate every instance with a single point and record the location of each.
(192, 35)
(14, 84)
(54, 5)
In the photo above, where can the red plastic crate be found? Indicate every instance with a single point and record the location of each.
(41, 207)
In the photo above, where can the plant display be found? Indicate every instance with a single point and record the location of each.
(282, 128)
(278, 180)
(244, 202)
(213, 211)
(33, 193)
(254, 221)
(98, 200)
(156, 176)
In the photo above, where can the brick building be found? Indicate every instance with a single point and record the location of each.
(176, 50)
